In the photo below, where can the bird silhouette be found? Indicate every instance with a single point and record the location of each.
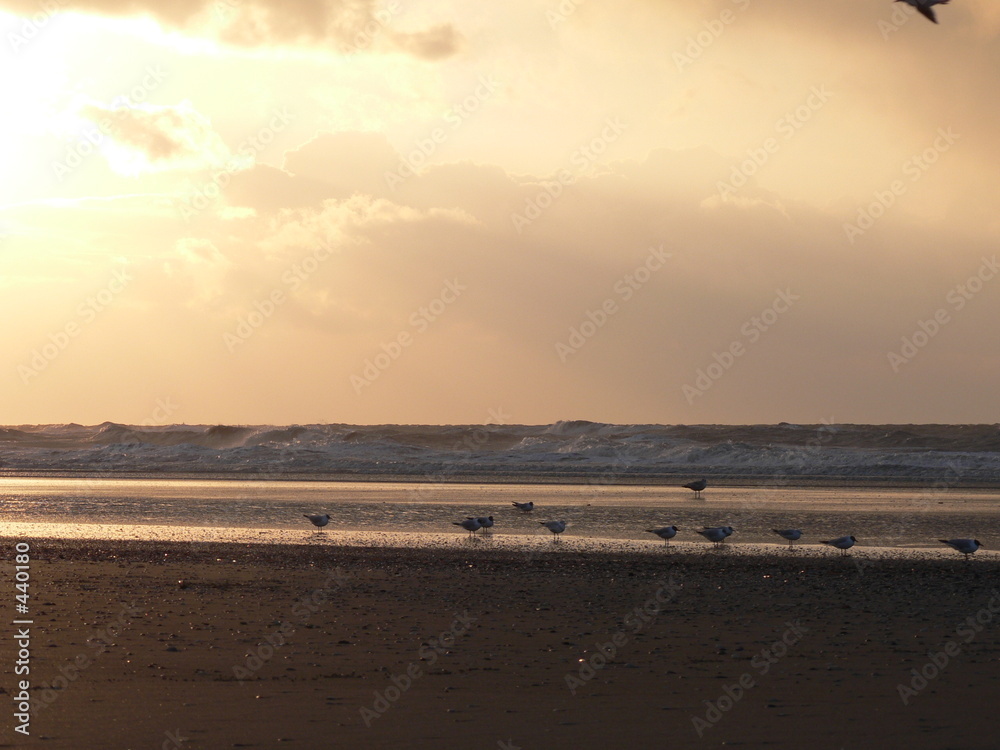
(925, 7)
(698, 485)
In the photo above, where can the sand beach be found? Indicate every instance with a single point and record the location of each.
(530, 644)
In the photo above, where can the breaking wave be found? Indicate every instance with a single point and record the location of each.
(563, 451)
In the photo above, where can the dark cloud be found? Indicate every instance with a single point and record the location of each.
(435, 43)
(163, 136)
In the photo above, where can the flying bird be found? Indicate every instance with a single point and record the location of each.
(318, 520)
(556, 527)
(965, 546)
(698, 485)
(530, 505)
(791, 535)
(924, 7)
(666, 533)
(471, 525)
(843, 543)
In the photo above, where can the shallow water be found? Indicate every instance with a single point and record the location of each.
(877, 517)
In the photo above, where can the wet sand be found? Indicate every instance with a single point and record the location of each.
(499, 645)
(878, 517)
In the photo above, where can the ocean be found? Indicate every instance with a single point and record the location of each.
(563, 452)
(891, 486)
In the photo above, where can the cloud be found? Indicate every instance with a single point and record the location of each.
(390, 252)
(154, 138)
(354, 263)
(346, 25)
(345, 163)
(435, 43)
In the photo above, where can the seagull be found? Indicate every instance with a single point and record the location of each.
(318, 520)
(965, 546)
(925, 6)
(697, 486)
(726, 530)
(717, 534)
(471, 525)
(485, 523)
(530, 505)
(843, 543)
(790, 534)
(666, 533)
(556, 527)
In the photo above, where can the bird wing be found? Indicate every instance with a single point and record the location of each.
(926, 11)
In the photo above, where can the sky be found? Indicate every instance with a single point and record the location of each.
(356, 211)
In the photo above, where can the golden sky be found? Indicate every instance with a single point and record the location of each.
(366, 212)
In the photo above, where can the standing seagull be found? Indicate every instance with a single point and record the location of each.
(556, 527)
(486, 523)
(697, 486)
(965, 546)
(791, 535)
(471, 525)
(925, 6)
(717, 534)
(318, 520)
(843, 543)
(666, 533)
(530, 505)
